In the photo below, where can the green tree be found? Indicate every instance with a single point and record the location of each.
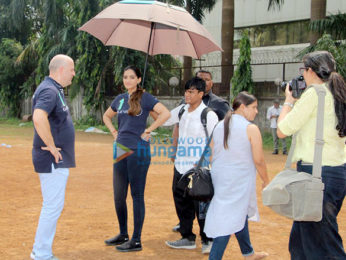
(333, 24)
(51, 28)
(11, 77)
(337, 49)
(242, 79)
(17, 20)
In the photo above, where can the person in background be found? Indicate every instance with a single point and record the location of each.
(273, 113)
(217, 104)
(236, 155)
(318, 240)
(53, 150)
(132, 109)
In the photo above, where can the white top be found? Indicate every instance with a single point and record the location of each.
(272, 111)
(192, 138)
(233, 174)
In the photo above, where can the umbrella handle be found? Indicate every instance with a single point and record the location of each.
(146, 58)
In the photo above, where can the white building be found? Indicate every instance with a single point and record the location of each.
(277, 36)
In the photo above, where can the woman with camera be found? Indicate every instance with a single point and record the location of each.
(318, 240)
(237, 154)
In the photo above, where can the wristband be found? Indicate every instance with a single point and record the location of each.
(288, 104)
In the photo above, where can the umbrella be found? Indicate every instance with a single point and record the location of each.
(151, 27)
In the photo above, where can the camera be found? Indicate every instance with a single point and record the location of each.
(296, 85)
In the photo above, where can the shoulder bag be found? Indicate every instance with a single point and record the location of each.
(299, 195)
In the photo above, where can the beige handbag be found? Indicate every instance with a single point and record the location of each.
(299, 195)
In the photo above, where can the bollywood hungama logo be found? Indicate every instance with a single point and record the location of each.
(120, 152)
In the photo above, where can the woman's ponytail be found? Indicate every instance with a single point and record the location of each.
(338, 89)
(135, 102)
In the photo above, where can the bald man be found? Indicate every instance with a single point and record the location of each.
(53, 150)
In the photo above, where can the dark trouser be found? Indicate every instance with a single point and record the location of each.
(131, 170)
(321, 240)
(276, 141)
(201, 221)
(185, 209)
(220, 243)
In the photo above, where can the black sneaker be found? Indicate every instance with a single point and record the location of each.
(130, 246)
(275, 152)
(284, 152)
(117, 240)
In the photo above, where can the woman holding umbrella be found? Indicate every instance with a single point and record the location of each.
(132, 109)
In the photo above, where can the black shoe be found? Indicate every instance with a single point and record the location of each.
(117, 240)
(284, 152)
(130, 246)
(275, 152)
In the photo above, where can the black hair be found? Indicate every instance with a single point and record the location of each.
(135, 70)
(204, 71)
(195, 83)
(323, 64)
(135, 98)
(244, 98)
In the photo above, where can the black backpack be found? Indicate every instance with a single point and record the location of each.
(203, 117)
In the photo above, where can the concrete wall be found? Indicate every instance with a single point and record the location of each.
(78, 110)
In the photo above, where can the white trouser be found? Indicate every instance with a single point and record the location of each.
(53, 187)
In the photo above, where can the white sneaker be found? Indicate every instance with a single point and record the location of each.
(206, 247)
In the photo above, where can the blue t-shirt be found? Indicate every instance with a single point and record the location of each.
(130, 128)
(49, 96)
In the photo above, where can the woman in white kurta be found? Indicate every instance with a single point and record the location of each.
(237, 153)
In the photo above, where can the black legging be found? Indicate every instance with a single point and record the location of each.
(131, 170)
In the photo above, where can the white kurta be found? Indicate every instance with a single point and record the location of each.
(234, 178)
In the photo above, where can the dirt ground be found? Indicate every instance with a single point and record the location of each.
(89, 217)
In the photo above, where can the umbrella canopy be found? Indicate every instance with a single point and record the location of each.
(152, 27)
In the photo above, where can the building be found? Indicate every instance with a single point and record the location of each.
(277, 37)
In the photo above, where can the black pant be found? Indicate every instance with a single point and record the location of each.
(131, 170)
(201, 222)
(186, 209)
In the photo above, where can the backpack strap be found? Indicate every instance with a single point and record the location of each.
(181, 112)
(203, 117)
(204, 120)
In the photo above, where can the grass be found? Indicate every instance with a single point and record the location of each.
(161, 132)
(14, 122)
(268, 144)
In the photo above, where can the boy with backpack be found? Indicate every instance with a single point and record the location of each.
(196, 123)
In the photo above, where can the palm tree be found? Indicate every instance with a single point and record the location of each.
(333, 24)
(227, 32)
(318, 12)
